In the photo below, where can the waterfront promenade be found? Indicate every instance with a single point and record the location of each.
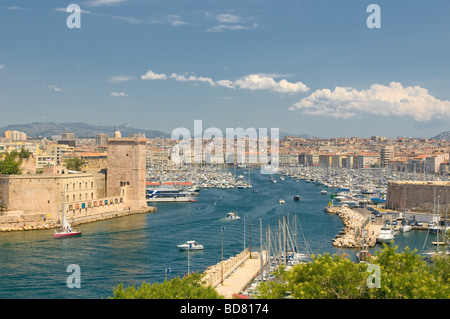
(238, 272)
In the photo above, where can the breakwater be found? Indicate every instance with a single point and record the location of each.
(354, 221)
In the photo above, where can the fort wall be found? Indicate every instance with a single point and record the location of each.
(419, 196)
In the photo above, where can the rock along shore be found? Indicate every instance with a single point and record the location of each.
(26, 221)
(353, 221)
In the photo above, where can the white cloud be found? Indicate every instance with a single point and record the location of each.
(175, 21)
(392, 100)
(150, 75)
(2, 66)
(117, 94)
(264, 82)
(16, 8)
(192, 78)
(54, 88)
(226, 83)
(221, 27)
(229, 18)
(119, 78)
(99, 3)
(229, 21)
(249, 82)
(130, 20)
(61, 9)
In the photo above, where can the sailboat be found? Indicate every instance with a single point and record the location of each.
(65, 229)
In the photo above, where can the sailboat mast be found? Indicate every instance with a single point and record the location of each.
(260, 248)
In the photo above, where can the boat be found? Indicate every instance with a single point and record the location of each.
(66, 229)
(433, 228)
(281, 201)
(405, 227)
(323, 192)
(386, 234)
(170, 194)
(255, 190)
(232, 216)
(378, 200)
(297, 198)
(190, 245)
(159, 192)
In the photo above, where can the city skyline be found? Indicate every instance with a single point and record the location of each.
(305, 67)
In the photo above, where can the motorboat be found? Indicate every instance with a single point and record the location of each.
(386, 234)
(405, 227)
(232, 216)
(323, 192)
(297, 198)
(281, 201)
(190, 245)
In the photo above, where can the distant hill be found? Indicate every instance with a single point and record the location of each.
(284, 134)
(443, 136)
(81, 130)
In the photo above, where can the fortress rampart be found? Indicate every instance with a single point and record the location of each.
(419, 196)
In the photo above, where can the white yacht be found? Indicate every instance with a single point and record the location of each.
(405, 227)
(386, 234)
(190, 245)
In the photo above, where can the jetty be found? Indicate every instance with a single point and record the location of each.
(233, 275)
(354, 221)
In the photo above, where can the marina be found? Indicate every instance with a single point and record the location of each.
(141, 247)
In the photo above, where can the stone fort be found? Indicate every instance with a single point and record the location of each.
(37, 199)
(419, 196)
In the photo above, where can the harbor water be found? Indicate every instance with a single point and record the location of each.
(143, 247)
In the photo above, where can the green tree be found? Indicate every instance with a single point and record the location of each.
(9, 165)
(402, 276)
(73, 164)
(24, 153)
(188, 287)
(406, 275)
(325, 277)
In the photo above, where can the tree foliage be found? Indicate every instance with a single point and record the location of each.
(9, 165)
(73, 164)
(188, 287)
(403, 275)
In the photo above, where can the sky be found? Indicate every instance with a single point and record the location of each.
(305, 67)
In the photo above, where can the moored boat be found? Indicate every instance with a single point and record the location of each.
(190, 245)
(386, 234)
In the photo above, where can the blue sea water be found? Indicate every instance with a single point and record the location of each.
(139, 248)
